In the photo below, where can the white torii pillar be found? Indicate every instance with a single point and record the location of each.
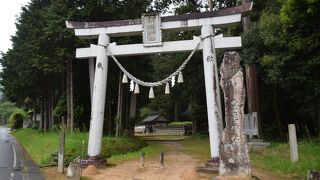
(209, 63)
(98, 98)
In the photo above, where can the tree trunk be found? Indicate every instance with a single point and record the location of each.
(70, 120)
(45, 120)
(319, 119)
(46, 115)
(71, 97)
(41, 114)
(125, 121)
(50, 109)
(119, 109)
(252, 82)
(176, 110)
(252, 93)
(132, 114)
(195, 126)
(277, 112)
(233, 148)
(68, 95)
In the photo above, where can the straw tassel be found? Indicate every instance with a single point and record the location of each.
(180, 78)
(151, 93)
(124, 79)
(136, 89)
(167, 90)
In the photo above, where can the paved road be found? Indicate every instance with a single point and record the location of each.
(13, 162)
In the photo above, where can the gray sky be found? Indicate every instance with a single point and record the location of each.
(9, 10)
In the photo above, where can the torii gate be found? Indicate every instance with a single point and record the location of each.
(151, 27)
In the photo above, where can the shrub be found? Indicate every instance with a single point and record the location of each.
(16, 119)
(181, 123)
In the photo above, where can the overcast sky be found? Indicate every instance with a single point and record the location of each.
(9, 10)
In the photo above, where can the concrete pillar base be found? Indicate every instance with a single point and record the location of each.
(97, 161)
(212, 165)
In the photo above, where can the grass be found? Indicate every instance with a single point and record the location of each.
(160, 137)
(197, 146)
(40, 145)
(151, 151)
(276, 158)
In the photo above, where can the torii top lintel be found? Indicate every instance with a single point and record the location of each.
(220, 18)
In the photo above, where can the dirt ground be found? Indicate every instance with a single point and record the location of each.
(177, 166)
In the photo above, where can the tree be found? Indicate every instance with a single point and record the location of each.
(281, 41)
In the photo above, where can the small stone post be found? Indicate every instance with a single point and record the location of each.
(61, 151)
(161, 160)
(142, 159)
(233, 148)
(293, 143)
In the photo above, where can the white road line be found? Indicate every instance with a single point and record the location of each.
(14, 160)
(12, 174)
(14, 156)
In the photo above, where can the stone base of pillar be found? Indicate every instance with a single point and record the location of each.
(212, 165)
(97, 161)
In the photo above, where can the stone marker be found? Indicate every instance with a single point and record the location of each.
(233, 148)
(162, 160)
(74, 170)
(293, 143)
(142, 159)
(61, 151)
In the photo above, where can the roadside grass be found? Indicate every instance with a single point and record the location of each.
(276, 158)
(40, 145)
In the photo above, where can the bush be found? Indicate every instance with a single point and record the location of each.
(182, 123)
(16, 119)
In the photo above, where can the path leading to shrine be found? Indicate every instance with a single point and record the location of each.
(178, 165)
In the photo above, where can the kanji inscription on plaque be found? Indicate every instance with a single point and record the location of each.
(151, 23)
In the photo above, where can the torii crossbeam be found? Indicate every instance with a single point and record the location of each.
(151, 28)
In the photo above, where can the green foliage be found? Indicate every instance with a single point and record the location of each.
(16, 118)
(40, 145)
(181, 123)
(6, 109)
(145, 111)
(61, 107)
(151, 151)
(276, 158)
(282, 43)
